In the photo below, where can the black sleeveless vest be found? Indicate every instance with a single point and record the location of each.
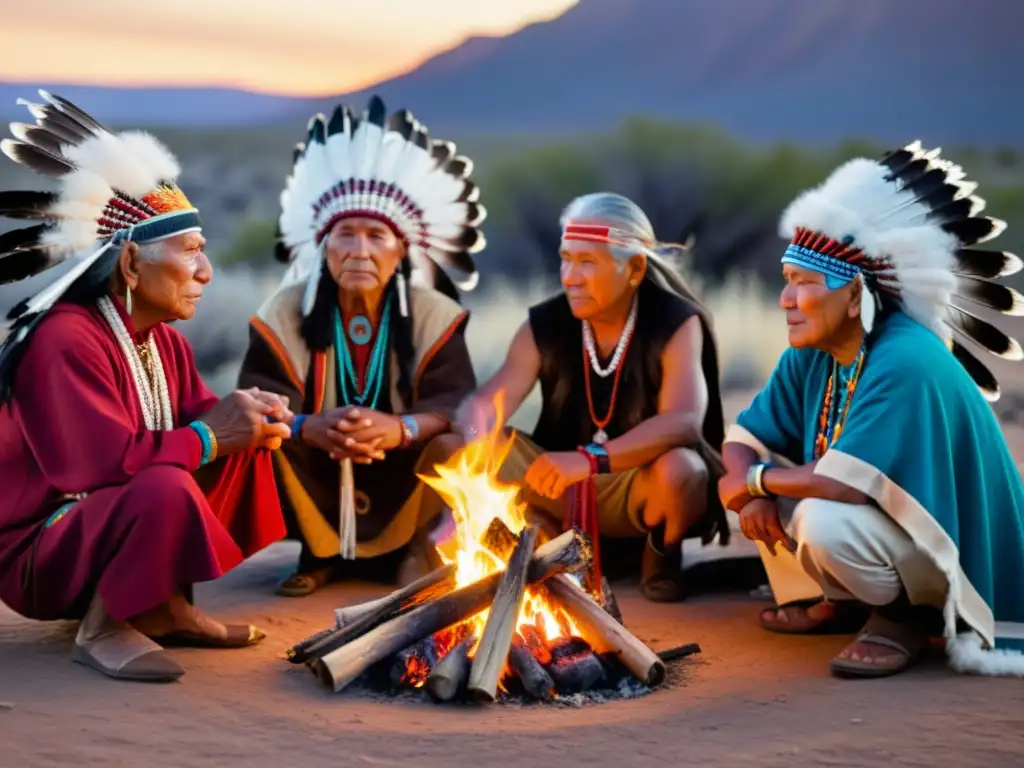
(565, 420)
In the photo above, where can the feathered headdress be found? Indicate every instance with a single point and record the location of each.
(386, 169)
(112, 188)
(906, 225)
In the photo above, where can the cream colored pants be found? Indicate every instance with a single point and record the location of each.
(849, 551)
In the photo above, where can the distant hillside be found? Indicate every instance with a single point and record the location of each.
(805, 70)
(947, 71)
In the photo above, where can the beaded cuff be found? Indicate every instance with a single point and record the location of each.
(410, 430)
(208, 439)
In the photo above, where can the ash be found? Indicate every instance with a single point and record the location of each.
(618, 685)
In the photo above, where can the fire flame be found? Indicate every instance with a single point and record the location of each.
(470, 486)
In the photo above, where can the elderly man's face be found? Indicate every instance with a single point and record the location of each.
(171, 276)
(363, 254)
(592, 278)
(814, 314)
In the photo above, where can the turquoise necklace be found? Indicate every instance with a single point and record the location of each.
(348, 379)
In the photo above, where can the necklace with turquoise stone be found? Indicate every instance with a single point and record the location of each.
(348, 378)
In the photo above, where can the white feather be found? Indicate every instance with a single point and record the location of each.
(150, 153)
(107, 157)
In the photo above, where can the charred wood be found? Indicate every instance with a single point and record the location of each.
(496, 640)
(569, 552)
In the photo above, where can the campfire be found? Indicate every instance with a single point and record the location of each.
(511, 613)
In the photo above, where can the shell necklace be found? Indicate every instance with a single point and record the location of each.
(620, 348)
(149, 377)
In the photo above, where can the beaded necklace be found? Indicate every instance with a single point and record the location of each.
(590, 356)
(147, 370)
(348, 377)
(838, 396)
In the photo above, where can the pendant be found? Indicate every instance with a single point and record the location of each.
(600, 437)
(359, 330)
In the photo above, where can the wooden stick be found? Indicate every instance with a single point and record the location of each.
(400, 601)
(351, 613)
(491, 654)
(535, 679)
(449, 675)
(679, 652)
(569, 552)
(605, 634)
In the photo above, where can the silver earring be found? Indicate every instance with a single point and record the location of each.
(128, 300)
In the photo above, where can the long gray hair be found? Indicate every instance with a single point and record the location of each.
(636, 233)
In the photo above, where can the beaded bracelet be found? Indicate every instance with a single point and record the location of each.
(600, 454)
(208, 440)
(410, 430)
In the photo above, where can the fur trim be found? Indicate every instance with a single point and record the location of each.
(968, 655)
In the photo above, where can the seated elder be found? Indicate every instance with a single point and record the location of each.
(628, 372)
(371, 353)
(871, 466)
(125, 480)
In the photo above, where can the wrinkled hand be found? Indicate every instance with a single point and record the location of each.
(279, 404)
(733, 491)
(323, 431)
(551, 473)
(363, 427)
(760, 521)
(474, 420)
(239, 422)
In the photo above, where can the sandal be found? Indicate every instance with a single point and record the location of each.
(238, 636)
(901, 644)
(847, 616)
(303, 584)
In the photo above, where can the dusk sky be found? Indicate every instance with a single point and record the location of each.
(302, 47)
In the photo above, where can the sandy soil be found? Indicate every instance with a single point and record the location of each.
(749, 698)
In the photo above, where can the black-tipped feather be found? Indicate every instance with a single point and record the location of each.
(958, 210)
(24, 239)
(40, 161)
(984, 334)
(897, 159)
(71, 110)
(61, 125)
(317, 130)
(422, 140)
(988, 264)
(26, 205)
(282, 252)
(375, 111)
(457, 260)
(442, 151)
(24, 264)
(470, 193)
(459, 167)
(995, 296)
(299, 151)
(40, 137)
(971, 231)
(977, 370)
(403, 123)
(911, 172)
(337, 122)
(927, 183)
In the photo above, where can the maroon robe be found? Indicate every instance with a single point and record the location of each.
(152, 522)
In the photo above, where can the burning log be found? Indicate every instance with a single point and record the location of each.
(535, 643)
(574, 667)
(491, 654)
(569, 552)
(606, 634)
(449, 675)
(535, 679)
(372, 614)
(413, 665)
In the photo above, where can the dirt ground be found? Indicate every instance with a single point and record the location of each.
(750, 698)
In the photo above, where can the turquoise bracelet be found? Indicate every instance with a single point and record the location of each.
(206, 438)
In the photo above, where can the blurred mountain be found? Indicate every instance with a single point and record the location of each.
(803, 70)
(800, 70)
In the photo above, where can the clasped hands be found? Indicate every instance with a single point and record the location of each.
(351, 432)
(759, 517)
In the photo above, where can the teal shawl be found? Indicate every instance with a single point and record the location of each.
(923, 443)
